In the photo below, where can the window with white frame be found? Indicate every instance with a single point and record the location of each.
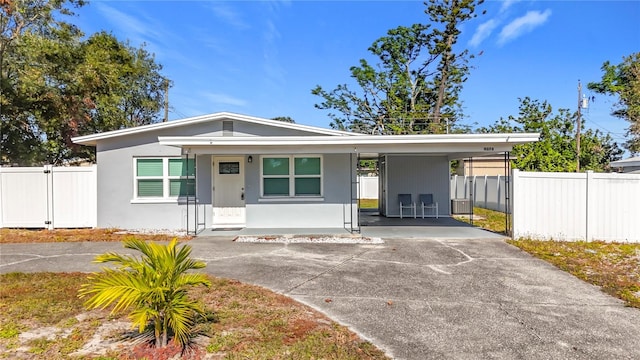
(291, 176)
(164, 177)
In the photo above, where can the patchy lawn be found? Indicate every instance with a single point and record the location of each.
(614, 267)
(43, 318)
(368, 203)
(486, 219)
(77, 235)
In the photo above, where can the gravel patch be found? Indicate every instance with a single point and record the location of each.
(293, 239)
(180, 233)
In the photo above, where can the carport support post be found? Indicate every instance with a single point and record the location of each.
(507, 194)
(472, 185)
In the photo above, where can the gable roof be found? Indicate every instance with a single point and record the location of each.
(93, 138)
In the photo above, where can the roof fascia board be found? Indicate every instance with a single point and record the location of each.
(488, 140)
(450, 150)
(91, 139)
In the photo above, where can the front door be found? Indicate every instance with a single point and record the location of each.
(228, 192)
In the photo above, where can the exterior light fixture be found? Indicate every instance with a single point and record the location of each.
(250, 159)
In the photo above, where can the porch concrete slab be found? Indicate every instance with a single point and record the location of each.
(420, 298)
(272, 231)
(443, 228)
(429, 232)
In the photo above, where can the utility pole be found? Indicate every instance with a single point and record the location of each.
(578, 127)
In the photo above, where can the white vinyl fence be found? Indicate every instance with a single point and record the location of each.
(48, 197)
(576, 206)
(368, 188)
(488, 191)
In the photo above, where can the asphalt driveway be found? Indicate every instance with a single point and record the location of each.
(436, 298)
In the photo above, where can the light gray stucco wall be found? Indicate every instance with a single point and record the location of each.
(416, 175)
(116, 184)
(115, 188)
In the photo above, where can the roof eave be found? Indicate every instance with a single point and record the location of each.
(514, 138)
(92, 139)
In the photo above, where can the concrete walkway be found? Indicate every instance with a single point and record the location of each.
(416, 298)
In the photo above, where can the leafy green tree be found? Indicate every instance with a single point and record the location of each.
(556, 149)
(452, 68)
(153, 287)
(623, 81)
(416, 83)
(56, 85)
(19, 133)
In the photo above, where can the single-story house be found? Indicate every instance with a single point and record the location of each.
(229, 170)
(630, 165)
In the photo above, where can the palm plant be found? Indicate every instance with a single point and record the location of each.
(153, 287)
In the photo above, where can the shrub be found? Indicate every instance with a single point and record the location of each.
(152, 287)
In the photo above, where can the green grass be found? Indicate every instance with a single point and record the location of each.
(368, 203)
(486, 219)
(243, 322)
(614, 267)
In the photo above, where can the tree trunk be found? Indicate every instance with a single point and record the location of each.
(157, 327)
(444, 73)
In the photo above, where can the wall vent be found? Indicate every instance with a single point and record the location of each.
(227, 128)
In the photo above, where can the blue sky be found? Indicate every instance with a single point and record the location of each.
(262, 58)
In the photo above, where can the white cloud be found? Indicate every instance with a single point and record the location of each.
(224, 99)
(482, 32)
(507, 4)
(225, 13)
(138, 30)
(523, 25)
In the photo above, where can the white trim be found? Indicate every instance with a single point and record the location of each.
(155, 201)
(512, 138)
(93, 138)
(275, 199)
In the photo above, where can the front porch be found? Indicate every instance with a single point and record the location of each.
(372, 225)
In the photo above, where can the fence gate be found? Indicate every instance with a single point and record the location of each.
(48, 197)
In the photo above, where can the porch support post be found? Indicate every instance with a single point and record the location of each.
(507, 195)
(472, 185)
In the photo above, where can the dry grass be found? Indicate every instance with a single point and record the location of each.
(486, 219)
(75, 235)
(614, 267)
(247, 322)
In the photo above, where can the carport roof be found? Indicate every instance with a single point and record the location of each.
(454, 146)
